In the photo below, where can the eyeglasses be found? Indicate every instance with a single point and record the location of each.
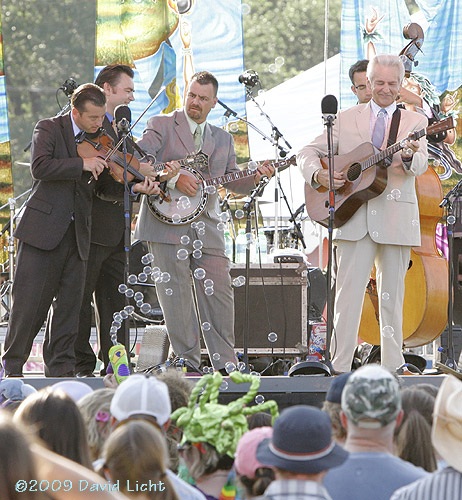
(360, 87)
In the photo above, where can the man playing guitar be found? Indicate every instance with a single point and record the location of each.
(382, 230)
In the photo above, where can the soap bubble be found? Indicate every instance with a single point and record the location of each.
(124, 314)
(221, 226)
(132, 279)
(272, 337)
(241, 366)
(210, 189)
(197, 254)
(138, 296)
(200, 225)
(208, 282)
(197, 244)
(272, 68)
(216, 356)
(279, 61)
(224, 217)
(142, 278)
(223, 386)
(168, 292)
(245, 9)
(129, 309)
(176, 218)
(385, 296)
(199, 273)
(388, 331)
(182, 254)
(165, 277)
(208, 291)
(230, 367)
(234, 127)
(239, 214)
(129, 293)
(206, 326)
(122, 288)
(117, 317)
(201, 232)
(145, 308)
(185, 239)
(396, 193)
(252, 166)
(259, 399)
(147, 269)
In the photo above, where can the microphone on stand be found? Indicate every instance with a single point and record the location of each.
(123, 118)
(297, 212)
(329, 108)
(249, 78)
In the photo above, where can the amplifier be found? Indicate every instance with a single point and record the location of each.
(278, 304)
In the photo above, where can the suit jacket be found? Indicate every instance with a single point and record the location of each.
(392, 217)
(107, 227)
(168, 137)
(60, 189)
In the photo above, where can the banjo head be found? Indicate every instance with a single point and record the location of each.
(181, 209)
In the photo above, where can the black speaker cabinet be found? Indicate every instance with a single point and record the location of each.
(457, 262)
(278, 303)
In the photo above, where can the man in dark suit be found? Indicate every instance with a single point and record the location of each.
(54, 236)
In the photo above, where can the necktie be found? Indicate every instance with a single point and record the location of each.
(198, 138)
(379, 129)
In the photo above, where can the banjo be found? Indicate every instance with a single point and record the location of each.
(177, 208)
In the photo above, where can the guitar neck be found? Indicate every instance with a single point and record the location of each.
(390, 151)
(158, 167)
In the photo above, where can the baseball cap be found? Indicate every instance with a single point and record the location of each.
(334, 393)
(245, 459)
(141, 395)
(371, 397)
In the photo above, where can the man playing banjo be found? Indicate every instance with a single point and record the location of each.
(196, 248)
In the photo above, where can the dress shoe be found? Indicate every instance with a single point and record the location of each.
(13, 375)
(85, 374)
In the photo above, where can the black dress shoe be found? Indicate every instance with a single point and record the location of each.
(85, 374)
(13, 375)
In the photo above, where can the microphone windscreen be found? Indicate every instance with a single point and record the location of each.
(329, 105)
(122, 111)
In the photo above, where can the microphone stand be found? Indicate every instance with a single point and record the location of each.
(328, 122)
(447, 203)
(293, 216)
(249, 207)
(279, 151)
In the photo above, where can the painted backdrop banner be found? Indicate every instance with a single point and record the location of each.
(166, 42)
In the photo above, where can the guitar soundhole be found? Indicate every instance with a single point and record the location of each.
(354, 171)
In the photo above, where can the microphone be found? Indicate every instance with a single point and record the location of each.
(329, 107)
(249, 78)
(297, 212)
(68, 87)
(123, 118)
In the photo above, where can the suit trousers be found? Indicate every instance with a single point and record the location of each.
(105, 272)
(185, 322)
(355, 261)
(43, 278)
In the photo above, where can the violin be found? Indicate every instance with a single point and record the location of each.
(103, 146)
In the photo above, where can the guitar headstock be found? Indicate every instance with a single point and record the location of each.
(441, 126)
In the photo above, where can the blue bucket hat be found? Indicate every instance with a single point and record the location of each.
(302, 442)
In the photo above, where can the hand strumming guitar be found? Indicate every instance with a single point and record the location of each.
(323, 178)
(187, 185)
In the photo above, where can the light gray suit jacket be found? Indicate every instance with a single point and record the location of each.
(393, 217)
(168, 137)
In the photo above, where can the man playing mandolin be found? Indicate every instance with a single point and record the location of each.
(195, 248)
(383, 229)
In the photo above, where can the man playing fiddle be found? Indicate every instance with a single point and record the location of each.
(54, 235)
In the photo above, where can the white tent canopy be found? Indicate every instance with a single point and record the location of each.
(295, 108)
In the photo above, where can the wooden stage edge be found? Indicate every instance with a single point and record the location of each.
(286, 391)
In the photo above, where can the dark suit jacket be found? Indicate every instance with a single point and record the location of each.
(60, 189)
(107, 227)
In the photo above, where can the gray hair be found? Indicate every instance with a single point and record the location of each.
(385, 60)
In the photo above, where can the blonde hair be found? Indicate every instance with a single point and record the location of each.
(94, 407)
(136, 452)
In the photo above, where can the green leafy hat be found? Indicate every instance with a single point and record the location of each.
(371, 397)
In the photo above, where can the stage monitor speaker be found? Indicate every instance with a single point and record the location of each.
(281, 301)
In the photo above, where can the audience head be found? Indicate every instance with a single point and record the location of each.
(253, 475)
(142, 397)
(259, 419)
(371, 398)
(301, 443)
(75, 389)
(332, 405)
(56, 420)
(96, 412)
(413, 436)
(136, 453)
(12, 392)
(447, 422)
(16, 461)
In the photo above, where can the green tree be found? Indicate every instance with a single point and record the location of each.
(45, 42)
(288, 29)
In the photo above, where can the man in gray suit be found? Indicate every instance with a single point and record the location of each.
(384, 229)
(173, 137)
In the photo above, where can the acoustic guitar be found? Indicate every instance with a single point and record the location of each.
(366, 178)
